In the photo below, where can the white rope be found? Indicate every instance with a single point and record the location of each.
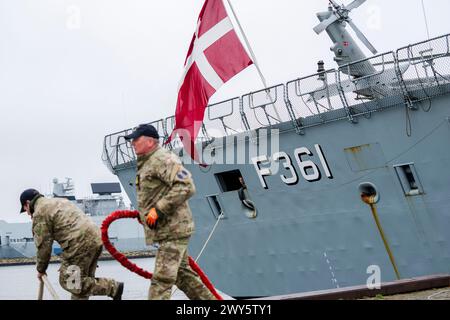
(205, 244)
(50, 288)
(209, 237)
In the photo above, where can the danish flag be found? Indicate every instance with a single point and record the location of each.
(214, 57)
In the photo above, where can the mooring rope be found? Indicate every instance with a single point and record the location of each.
(209, 237)
(124, 261)
(44, 281)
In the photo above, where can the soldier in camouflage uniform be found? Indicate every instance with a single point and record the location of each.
(80, 241)
(163, 188)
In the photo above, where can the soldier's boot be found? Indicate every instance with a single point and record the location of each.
(118, 292)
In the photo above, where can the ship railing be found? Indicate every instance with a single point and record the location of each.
(223, 119)
(259, 109)
(176, 142)
(314, 95)
(426, 68)
(116, 150)
(168, 127)
(119, 152)
(413, 73)
(370, 84)
(264, 108)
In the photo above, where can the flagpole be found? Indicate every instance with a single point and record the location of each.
(263, 79)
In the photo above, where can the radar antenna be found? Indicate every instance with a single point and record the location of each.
(345, 48)
(340, 13)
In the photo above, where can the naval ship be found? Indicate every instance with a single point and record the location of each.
(322, 181)
(16, 239)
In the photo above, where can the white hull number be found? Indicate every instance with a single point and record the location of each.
(308, 169)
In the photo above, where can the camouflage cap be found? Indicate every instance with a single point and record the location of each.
(27, 195)
(143, 130)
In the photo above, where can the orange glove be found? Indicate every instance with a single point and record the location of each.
(152, 218)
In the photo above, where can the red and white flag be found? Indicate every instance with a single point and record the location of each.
(215, 56)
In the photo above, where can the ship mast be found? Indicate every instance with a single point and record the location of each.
(346, 50)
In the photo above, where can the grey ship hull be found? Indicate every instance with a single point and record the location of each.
(314, 235)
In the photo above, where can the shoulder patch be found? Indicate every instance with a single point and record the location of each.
(182, 174)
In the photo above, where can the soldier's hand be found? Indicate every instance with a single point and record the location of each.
(152, 218)
(40, 275)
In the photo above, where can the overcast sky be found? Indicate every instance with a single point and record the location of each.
(73, 71)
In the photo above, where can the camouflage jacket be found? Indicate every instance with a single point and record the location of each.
(162, 182)
(62, 221)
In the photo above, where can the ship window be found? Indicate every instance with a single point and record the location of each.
(229, 181)
(409, 179)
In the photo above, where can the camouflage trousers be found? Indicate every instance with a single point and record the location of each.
(172, 268)
(77, 275)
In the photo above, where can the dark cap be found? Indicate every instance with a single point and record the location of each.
(27, 195)
(146, 130)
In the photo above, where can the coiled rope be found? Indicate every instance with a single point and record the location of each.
(124, 261)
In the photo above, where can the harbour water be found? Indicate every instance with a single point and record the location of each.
(20, 282)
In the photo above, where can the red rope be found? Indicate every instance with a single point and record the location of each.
(123, 260)
(204, 278)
